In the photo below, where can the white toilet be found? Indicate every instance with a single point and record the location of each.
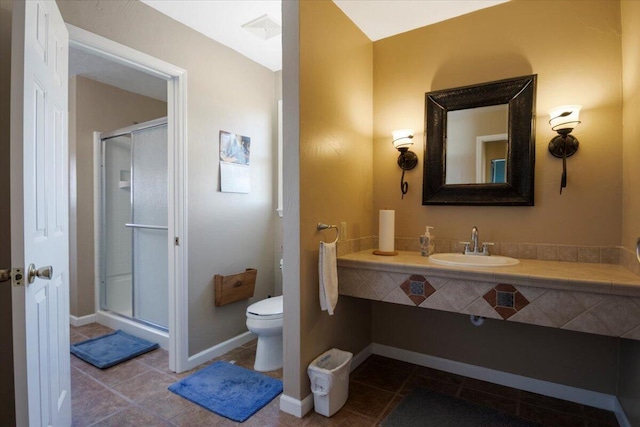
(264, 318)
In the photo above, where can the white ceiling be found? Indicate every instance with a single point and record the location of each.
(380, 19)
(222, 20)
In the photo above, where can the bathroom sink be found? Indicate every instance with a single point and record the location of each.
(462, 260)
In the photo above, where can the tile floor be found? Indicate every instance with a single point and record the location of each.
(135, 393)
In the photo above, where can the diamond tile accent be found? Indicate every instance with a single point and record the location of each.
(506, 300)
(417, 288)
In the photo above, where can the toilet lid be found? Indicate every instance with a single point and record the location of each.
(266, 307)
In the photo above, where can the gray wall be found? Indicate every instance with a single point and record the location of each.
(572, 358)
(278, 229)
(7, 401)
(226, 91)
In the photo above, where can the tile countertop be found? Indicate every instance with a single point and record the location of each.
(608, 279)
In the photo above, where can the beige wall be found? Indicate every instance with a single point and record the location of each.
(629, 392)
(512, 39)
(225, 91)
(7, 399)
(336, 102)
(94, 107)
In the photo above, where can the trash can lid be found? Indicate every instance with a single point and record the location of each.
(267, 307)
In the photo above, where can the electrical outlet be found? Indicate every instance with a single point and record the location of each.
(343, 230)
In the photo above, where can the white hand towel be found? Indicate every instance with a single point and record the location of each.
(328, 271)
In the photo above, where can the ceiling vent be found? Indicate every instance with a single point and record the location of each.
(264, 27)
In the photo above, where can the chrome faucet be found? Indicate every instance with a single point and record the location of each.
(474, 239)
(472, 247)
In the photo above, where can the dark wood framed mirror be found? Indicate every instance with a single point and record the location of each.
(480, 144)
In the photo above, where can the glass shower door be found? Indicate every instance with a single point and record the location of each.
(149, 208)
(135, 243)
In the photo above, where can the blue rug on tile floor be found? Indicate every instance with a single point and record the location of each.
(423, 407)
(228, 390)
(111, 349)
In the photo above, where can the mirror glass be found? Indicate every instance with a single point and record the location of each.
(477, 145)
(480, 144)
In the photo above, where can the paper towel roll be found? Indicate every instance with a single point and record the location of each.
(386, 234)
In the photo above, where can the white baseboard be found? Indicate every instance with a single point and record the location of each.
(559, 391)
(82, 320)
(623, 421)
(295, 407)
(361, 357)
(219, 349)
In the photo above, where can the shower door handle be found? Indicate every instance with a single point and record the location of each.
(43, 273)
(152, 227)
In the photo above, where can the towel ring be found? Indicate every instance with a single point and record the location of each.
(322, 226)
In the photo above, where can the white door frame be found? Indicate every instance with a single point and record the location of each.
(177, 171)
(481, 158)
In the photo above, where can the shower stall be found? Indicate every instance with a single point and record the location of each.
(134, 242)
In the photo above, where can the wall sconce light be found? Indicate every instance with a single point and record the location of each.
(563, 120)
(407, 160)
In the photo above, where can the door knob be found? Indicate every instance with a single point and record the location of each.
(42, 272)
(5, 274)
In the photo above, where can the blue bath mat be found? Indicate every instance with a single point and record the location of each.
(111, 349)
(228, 390)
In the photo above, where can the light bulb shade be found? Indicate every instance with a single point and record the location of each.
(565, 117)
(402, 138)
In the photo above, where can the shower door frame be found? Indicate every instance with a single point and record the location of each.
(176, 78)
(104, 137)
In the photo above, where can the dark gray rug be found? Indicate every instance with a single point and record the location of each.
(426, 408)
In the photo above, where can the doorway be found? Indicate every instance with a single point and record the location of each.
(176, 259)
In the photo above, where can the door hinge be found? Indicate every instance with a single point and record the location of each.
(16, 275)
(177, 241)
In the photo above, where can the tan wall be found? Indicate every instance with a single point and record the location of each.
(512, 39)
(7, 399)
(335, 167)
(630, 13)
(225, 91)
(580, 360)
(629, 392)
(94, 107)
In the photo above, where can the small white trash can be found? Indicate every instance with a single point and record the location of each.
(329, 375)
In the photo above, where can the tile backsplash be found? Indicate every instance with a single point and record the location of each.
(541, 251)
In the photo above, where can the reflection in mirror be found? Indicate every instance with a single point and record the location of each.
(476, 145)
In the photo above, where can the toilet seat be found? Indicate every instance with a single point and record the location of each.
(270, 308)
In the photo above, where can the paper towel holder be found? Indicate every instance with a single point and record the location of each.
(384, 253)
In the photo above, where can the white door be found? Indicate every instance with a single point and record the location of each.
(39, 213)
